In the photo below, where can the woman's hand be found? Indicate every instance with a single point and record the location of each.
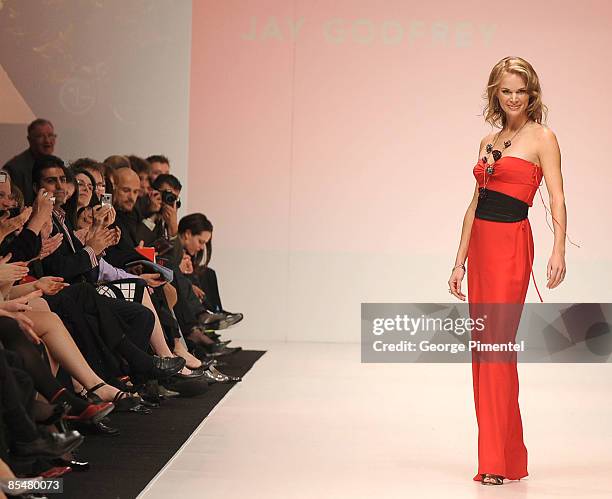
(16, 305)
(9, 225)
(25, 324)
(50, 245)
(454, 283)
(11, 272)
(100, 239)
(555, 271)
(198, 292)
(50, 285)
(103, 216)
(153, 280)
(20, 304)
(186, 266)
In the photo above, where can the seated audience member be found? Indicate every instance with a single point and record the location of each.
(22, 242)
(111, 164)
(41, 139)
(117, 161)
(143, 170)
(162, 220)
(96, 170)
(160, 165)
(195, 237)
(86, 185)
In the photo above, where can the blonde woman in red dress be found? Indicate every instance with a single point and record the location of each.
(496, 240)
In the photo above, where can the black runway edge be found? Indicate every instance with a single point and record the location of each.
(122, 466)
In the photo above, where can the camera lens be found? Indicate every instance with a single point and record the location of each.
(168, 197)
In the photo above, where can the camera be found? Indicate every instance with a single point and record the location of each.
(168, 197)
(107, 199)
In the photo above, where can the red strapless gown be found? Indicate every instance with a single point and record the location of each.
(500, 258)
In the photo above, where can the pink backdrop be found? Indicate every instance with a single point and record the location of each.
(332, 144)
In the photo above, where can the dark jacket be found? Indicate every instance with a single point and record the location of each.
(123, 252)
(20, 169)
(70, 261)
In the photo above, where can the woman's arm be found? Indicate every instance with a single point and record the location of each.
(457, 274)
(20, 290)
(550, 161)
(466, 229)
(48, 285)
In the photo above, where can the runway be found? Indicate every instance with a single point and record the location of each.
(309, 420)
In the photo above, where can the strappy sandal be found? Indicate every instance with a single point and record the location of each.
(124, 402)
(124, 383)
(489, 479)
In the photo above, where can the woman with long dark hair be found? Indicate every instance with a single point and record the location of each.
(195, 232)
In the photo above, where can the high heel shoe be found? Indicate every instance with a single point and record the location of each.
(122, 401)
(93, 413)
(213, 375)
(489, 479)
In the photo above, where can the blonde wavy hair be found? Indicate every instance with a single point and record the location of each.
(536, 110)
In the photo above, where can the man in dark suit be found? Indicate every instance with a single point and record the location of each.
(41, 137)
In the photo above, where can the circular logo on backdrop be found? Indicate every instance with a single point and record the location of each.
(77, 96)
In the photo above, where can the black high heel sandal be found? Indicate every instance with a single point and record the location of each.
(492, 479)
(123, 401)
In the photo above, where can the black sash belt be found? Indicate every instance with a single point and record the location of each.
(499, 207)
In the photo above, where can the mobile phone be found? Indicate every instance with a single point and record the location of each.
(3, 177)
(107, 199)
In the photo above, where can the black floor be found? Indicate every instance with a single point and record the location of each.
(122, 466)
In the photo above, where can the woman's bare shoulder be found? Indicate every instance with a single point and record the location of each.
(542, 131)
(544, 135)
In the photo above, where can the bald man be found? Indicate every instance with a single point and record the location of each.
(125, 194)
(127, 187)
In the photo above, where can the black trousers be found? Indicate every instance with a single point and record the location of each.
(16, 392)
(99, 323)
(188, 307)
(206, 280)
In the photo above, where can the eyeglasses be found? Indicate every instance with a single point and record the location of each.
(84, 185)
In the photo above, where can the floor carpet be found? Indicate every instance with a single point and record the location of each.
(122, 466)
